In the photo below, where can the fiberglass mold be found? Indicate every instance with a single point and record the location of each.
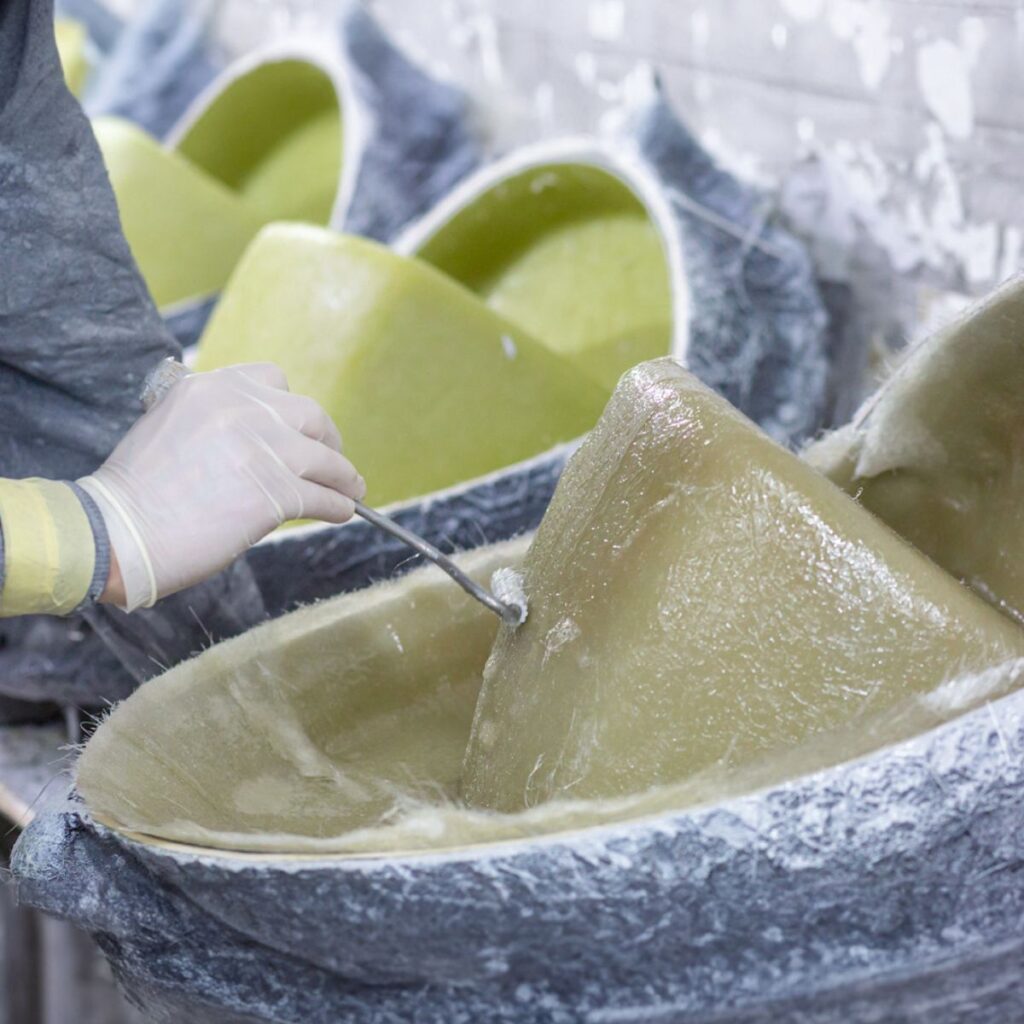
(723, 312)
(883, 889)
(371, 139)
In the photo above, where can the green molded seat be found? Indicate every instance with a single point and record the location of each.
(427, 384)
(567, 250)
(266, 147)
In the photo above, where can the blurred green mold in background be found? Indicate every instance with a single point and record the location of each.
(72, 45)
(267, 147)
(428, 385)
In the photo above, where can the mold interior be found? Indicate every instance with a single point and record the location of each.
(268, 148)
(428, 386)
(707, 616)
(569, 253)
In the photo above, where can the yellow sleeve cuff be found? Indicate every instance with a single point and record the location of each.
(49, 548)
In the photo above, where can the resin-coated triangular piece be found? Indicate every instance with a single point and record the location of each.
(700, 598)
(938, 452)
(428, 386)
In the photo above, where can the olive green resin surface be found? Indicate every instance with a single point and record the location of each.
(568, 252)
(428, 386)
(267, 148)
(708, 616)
(310, 725)
(938, 453)
(700, 598)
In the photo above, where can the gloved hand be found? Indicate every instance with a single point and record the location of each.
(220, 461)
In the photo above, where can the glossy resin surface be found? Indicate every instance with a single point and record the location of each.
(700, 600)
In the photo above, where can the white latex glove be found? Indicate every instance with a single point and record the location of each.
(220, 461)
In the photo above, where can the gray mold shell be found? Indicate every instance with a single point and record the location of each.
(885, 889)
(748, 316)
(407, 139)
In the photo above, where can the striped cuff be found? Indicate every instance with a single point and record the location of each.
(55, 555)
(101, 540)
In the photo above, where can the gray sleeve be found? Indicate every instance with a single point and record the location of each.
(78, 330)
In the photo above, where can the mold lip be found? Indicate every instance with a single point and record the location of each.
(618, 157)
(643, 827)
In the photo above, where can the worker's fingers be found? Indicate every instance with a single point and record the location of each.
(324, 503)
(315, 462)
(307, 417)
(269, 374)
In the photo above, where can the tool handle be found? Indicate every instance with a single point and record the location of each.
(509, 614)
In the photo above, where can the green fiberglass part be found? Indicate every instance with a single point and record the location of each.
(268, 147)
(72, 44)
(701, 599)
(569, 252)
(428, 386)
(340, 728)
(937, 453)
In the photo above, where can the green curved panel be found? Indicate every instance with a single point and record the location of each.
(568, 252)
(939, 456)
(428, 386)
(186, 230)
(274, 135)
(72, 43)
(267, 148)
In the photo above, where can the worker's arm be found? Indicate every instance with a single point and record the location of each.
(224, 458)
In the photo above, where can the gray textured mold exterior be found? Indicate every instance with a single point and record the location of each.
(748, 316)
(886, 889)
(101, 24)
(408, 138)
(157, 64)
